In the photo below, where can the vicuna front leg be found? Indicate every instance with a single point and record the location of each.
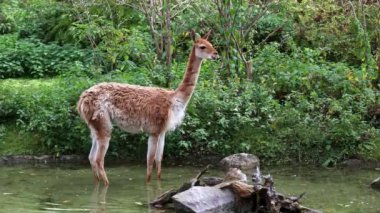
(159, 153)
(152, 147)
(156, 145)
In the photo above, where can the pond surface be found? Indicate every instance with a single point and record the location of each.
(42, 188)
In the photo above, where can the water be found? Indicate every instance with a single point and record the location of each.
(70, 188)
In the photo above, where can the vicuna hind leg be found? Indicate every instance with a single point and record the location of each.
(103, 143)
(159, 153)
(92, 155)
(101, 133)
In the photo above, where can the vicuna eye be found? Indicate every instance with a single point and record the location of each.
(202, 47)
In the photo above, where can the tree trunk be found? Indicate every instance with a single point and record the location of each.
(168, 43)
(248, 69)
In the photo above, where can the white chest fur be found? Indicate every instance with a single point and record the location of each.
(177, 113)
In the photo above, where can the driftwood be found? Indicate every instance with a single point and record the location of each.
(260, 197)
(166, 197)
(212, 181)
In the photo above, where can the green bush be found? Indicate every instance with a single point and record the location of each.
(48, 21)
(31, 58)
(7, 25)
(300, 106)
(324, 106)
(343, 31)
(47, 108)
(309, 126)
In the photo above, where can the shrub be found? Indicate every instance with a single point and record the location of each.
(7, 25)
(47, 108)
(323, 117)
(31, 58)
(344, 31)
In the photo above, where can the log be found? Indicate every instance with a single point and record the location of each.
(376, 183)
(166, 197)
(308, 210)
(163, 199)
(241, 189)
(194, 181)
(204, 199)
(212, 181)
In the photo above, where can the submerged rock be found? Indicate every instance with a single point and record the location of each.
(204, 199)
(243, 161)
(376, 183)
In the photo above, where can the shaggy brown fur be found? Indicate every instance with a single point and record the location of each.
(138, 109)
(133, 108)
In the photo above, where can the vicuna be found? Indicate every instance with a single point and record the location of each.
(138, 109)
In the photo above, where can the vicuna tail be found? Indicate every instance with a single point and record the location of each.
(85, 108)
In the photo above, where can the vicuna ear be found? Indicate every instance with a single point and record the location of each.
(207, 35)
(192, 35)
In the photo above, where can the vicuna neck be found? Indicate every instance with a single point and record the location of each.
(186, 88)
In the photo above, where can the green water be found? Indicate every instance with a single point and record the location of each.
(70, 188)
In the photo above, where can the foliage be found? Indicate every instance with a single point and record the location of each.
(333, 122)
(7, 25)
(45, 20)
(12, 141)
(342, 30)
(311, 98)
(47, 108)
(31, 58)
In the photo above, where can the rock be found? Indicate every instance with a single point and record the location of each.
(15, 159)
(43, 159)
(376, 183)
(204, 199)
(353, 163)
(73, 158)
(243, 161)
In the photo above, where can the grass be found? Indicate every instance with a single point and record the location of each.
(15, 142)
(29, 84)
(376, 151)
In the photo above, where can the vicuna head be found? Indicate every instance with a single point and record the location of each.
(203, 48)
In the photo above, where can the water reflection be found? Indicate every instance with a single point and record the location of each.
(153, 189)
(98, 199)
(99, 203)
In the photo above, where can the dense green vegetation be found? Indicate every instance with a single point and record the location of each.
(297, 81)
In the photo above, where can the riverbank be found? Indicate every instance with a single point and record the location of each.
(42, 159)
(169, 161)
